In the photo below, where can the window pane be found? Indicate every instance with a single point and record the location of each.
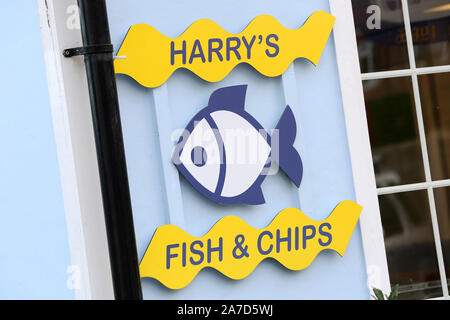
(435, 98)
(410, 247)
(381, 46)
(394, 136)
(442, 200)
(430, 27)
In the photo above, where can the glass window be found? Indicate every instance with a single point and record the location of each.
(410, 247)
(430, 28)
(442, 199)
(381, 46)
(393, 131)
(435, 98)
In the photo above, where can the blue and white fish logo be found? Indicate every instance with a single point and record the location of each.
(226, 154)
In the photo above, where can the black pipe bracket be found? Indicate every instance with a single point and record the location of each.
(88, 50)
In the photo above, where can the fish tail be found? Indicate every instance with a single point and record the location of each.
(288, 158)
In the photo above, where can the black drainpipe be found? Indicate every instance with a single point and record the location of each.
(98, 57)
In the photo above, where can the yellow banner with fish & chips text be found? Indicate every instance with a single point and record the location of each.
(235, 249)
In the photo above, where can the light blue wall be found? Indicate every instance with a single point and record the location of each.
(34, 252)
(327, 170)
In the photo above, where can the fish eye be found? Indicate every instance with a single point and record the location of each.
(198, 156)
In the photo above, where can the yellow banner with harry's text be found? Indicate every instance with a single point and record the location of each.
(211, 52)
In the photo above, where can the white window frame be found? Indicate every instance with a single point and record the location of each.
(75, 142)
(413, 72)
(359, 145)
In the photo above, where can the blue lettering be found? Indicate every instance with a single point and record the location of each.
(218, 249)
(233, 48)
(272, 45)
(308, 237)
(216, 50)
(325, 234)
(200, 54)
(286, 239)
(260, 249)
(183, 254)
(173, 52)
(249, 46)
(170, 255)
(197, 252)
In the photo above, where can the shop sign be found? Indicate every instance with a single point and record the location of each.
(207, 157)
(211, 52)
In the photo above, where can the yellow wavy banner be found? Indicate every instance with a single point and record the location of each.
(235, 249)
(210, 52)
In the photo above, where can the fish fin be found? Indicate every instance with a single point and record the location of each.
(285, 153)
(254, 196)
(231, 98)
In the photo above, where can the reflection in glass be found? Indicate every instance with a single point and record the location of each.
(435, 99)
(381, 47)
(430, 28)
(442, 200)
(393, 131)
(410, 246)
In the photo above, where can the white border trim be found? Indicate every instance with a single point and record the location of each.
(359, 145)
(404, 72)
(414, 186)
(72, 122)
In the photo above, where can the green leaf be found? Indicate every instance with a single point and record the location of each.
(378, 294)
(394, 293)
